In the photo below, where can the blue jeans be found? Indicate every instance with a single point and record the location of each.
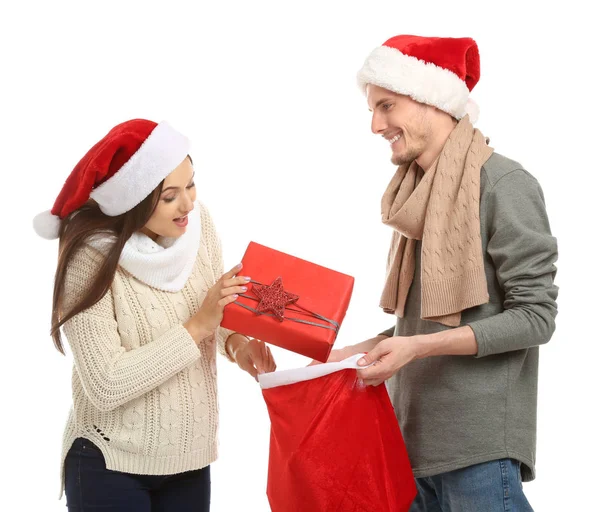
(89, 486)
(489, 487)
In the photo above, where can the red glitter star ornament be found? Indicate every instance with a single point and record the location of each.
(273, 298)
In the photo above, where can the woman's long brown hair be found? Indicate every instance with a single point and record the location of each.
(75, 231)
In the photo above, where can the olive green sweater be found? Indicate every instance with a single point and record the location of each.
(456, 411)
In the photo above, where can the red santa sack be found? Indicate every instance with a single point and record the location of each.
(335, 444)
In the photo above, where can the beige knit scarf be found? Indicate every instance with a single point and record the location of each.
(441, 208)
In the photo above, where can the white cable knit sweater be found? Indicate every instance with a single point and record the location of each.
(143, 392)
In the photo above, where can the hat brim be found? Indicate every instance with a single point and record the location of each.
(423, 81)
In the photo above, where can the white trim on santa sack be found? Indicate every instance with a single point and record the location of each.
(163, 150)
(286, 377)
(423, 81)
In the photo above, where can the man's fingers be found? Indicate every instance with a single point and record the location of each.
(372, 382)
(375, 371)
(372, 356)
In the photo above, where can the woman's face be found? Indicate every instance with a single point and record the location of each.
(170, 218)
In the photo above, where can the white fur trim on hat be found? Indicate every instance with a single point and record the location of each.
(46, 225)
(163, 150)
(423, 81)
(472, 109)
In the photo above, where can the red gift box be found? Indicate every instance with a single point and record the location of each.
(291, 303)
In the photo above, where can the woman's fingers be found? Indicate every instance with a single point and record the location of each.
(252, 370)
(227, 300)
(225, 292)
(236, 281)
(263, 357)
(271, 365)
(232, 272)
(264, 361)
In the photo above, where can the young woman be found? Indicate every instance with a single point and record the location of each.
(139, 293)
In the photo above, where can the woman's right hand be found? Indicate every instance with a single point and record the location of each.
(225, 291)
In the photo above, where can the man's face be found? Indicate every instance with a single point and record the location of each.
(403, 122)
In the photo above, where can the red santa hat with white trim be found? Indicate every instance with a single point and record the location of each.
(437, 71)
(118, 172)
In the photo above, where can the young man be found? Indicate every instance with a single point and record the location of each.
(469, 277)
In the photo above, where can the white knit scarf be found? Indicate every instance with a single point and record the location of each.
(165, 264)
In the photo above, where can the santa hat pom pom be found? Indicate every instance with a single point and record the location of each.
(46, 225)
(472, 109)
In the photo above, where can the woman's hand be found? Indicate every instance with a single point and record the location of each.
(337, 355)
(225, 291)
(251, 355)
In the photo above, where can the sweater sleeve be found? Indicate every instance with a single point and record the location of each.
(523, 251)
(388, 332)
(213, 242)
(111, 375)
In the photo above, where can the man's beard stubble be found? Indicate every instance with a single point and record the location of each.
(410, 156)
(419, 140)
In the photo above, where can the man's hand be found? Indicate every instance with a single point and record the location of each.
(393, 353)
(388, 356)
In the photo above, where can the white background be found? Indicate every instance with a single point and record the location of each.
(284, 156)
